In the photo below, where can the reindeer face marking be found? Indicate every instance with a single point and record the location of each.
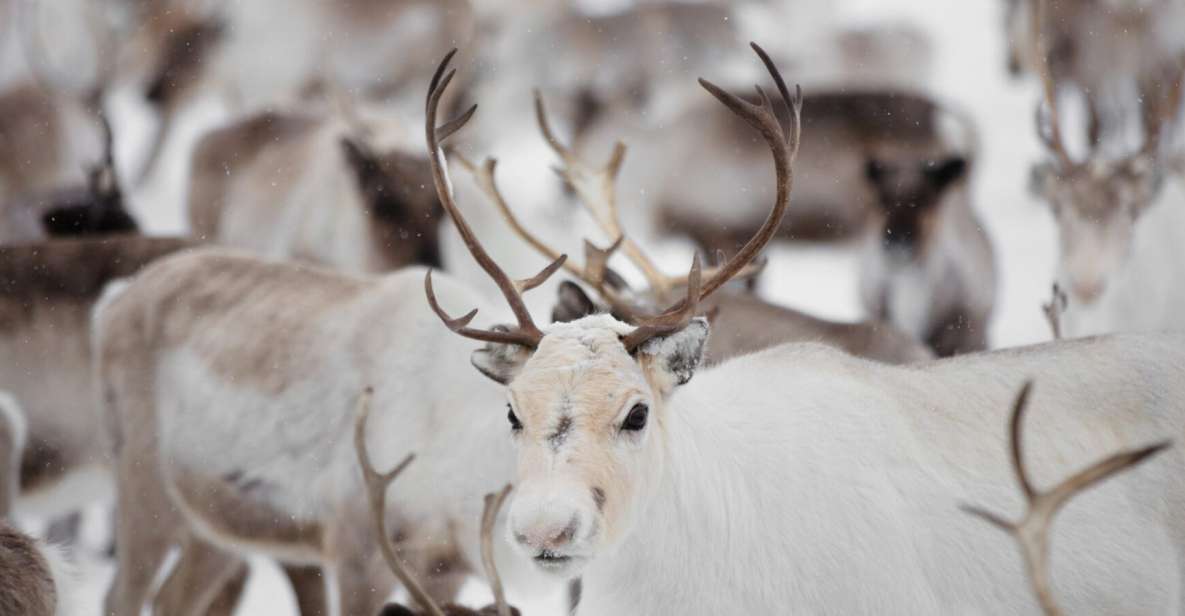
(909, 196)
(1095, 207)
(590, 448)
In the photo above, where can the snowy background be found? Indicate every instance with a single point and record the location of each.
(968, 70)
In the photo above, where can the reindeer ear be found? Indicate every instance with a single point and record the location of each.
(673, 359)
(945, 172)
(1042, 179)
(358, 156)
(571, 303)
(499, 361)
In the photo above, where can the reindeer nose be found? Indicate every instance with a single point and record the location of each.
(550, 536)
(1088, 290)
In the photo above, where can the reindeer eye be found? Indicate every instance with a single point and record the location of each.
(636, 420)
(515, 424)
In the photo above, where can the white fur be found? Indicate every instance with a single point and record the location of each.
(836, 487)
(65, 577)
(802, 480)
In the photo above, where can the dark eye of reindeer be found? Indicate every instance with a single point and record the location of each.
(515, 424)
(636, 420)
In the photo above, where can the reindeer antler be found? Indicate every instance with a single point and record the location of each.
(1032, 531)
(526, 334)
(784, 147)
(1049, 129)
(597, 191)
(595, 272)
(1162, 110)
(376, 492)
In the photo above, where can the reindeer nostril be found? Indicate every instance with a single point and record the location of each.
(521, 538)
(565, 536)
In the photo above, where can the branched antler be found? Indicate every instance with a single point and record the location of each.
(595, 272)
(376, 492)
(526, 334)
(1032, 531)
(597, 190)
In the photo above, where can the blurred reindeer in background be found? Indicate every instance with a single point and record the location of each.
(927, 265)
(237, 52)
(47, 132)
(309, 187)
(1114, 53)
(1121, 222)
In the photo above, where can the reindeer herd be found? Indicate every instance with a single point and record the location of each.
(666, 443)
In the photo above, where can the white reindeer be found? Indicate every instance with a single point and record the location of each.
(800, 479)
(1121, 223)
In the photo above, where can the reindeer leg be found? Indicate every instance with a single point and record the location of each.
(146, 529)
(202, 574)
(308, 583)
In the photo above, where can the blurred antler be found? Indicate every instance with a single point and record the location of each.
(489, 515)
(526, 334)
(597, 191)
(1049, 128)
(376, 492)
(595, 272)
(1162, 110)
(1032, 531)
(784, 148)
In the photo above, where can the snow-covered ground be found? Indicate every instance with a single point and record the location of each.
(968, 71)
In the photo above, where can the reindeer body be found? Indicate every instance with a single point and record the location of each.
(47, 291)
(857, 483)
(710, 158)
(286, 185)
(230, 385)
(929, 268)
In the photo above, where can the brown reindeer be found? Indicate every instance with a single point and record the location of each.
(742, 322)
(307, 187)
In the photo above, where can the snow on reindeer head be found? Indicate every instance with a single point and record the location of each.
(587, 398)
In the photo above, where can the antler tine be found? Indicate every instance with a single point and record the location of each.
(784, 148)
(1032, 531)
(376, 492)
(597, 190)
(489, 515)
(1049, 129)
(527, 334)
(671, 321)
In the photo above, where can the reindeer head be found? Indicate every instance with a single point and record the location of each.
(394, 187)
(909, 195)
(1096, 202)
(1095, 206)
(587, 399)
